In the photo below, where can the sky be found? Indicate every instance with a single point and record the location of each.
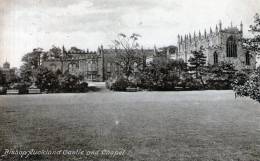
(86, 24)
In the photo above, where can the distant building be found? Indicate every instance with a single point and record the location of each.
(162, 54)
(8, 72)
(93, 66)
(222, 45)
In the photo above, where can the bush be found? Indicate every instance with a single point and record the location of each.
(248, 86)
(161, 77)
(83, 87)
(188, 82)
(218, 84)
(22, 87)
(2, 90)
(71, 83)
(120, 85)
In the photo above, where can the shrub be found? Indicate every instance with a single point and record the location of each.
(71, 83)
(22, 87)
(218, 84)
(120, 85)
(2, 90)
(248, 86)
(83, 87)
(188, 82)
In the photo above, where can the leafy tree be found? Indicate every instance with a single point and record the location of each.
(31, 62)
(161, 76)
(250, 85)
(197, 64)
(33, 58)
(47, 80)
(253, 44)
(55, 52)
(178, 66)
(127, 53)
(220, 76)
(197, 61)
(70, 83)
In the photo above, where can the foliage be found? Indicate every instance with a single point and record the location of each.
(253, 44)
(120, 85)
(127, 54)
(71, 83)
(33, 59)
(31, 63)
(21, 87)
(55, 52)
(161, 76)
(245, 85)
(188, 82)
(47, 80)
(250, 88)
(197, 62)
(220, 76)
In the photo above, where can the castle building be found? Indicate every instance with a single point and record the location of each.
(93, 66)
(8, 72)
(220, 45)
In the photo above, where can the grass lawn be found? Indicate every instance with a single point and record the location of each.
(149, 126)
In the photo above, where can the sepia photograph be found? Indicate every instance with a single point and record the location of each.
(129, 80)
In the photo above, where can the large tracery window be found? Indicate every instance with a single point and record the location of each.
(231, 47)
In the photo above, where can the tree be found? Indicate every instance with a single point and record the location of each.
(197, 63)
(55, 52)
(47, 80)
(253, 44)
(250, 85)
(161, 75)
(31, 62)
(127, 54)
(220, 76)
(178, 66)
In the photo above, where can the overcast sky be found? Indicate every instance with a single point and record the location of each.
(27, 24)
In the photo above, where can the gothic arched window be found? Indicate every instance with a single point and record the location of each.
(247, 58)
(215, 58)
(231, 47)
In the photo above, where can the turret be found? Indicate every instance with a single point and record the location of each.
(154, 50)
(211, 31)
(241, 27)
(6, 65)
(205, 33)
(220, 25)
(216, 29)
(199, 35)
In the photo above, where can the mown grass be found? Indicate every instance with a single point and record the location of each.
(150, 126)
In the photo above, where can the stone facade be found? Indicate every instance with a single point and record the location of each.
(162, 54)
(87, 64)
(9, 73)
(93, 66)
(222, 45)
